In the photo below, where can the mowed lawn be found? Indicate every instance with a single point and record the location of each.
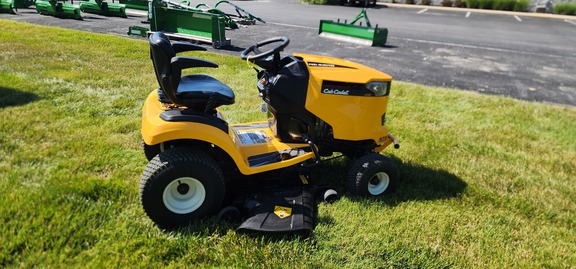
(486, 182)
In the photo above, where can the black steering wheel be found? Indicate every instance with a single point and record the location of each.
(262, 55)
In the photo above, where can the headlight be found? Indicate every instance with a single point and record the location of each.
(379, 88)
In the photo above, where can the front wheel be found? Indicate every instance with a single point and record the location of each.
(372, 175)
(180, 185)
(151, 151)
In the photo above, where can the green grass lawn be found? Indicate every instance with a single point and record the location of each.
(487, 182)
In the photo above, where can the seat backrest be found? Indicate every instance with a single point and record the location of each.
(161, 52)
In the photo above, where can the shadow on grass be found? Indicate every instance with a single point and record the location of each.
(232, 48)
(420, 183)
(12, 97)
(417, 183)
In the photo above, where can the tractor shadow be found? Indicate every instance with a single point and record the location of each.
(417, 183)
(232, 48)
(13, 97)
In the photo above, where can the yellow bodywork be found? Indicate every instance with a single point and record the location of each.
(156, 131)
(352, 118)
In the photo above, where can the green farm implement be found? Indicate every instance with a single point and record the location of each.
(242, 16)
(231, 20)
(355, 33)
(179, 21)
(135, 4)
(201, 23)
(6, 6)
(58, 9)
(22, 3)
(9, 6)
(105, 8)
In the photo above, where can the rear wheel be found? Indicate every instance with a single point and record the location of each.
(372, 175)
(180, 185)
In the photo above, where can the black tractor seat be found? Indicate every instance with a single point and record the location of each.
(196, 92)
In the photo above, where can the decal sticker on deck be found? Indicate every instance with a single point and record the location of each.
(253, 137)
(282, 211)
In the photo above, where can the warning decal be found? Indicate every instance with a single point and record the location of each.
(282, 211)
(253, 137)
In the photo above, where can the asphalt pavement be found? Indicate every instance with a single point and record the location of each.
(520, 55)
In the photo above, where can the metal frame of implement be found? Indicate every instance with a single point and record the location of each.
(58, 9)
(349, 32)
(102, 7)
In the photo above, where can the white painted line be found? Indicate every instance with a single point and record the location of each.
(422, 11)
(137, 12)
(570, 22)
(467, 14)
(517, 18)
(485, 48)
(292, 25)
(354, 40)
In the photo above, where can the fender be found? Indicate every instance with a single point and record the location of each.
(155, 130)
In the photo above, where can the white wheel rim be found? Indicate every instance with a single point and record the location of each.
(378, 183)
(180, 202)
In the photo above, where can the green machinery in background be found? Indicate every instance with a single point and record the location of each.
(179, 22)
(135, 4)
(58, 9)
(198, 24)
(350, 32)
(6, 6)
(22, 3)
(230, 20)
(241, 17)
(103, 8)
(9, 6)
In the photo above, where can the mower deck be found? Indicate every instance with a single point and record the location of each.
(286, 211)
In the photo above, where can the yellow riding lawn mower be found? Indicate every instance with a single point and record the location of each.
(199, 165)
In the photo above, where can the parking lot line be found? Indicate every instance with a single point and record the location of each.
(570, 22)
(485, 48)
(292, 25)
(468, 14)
(517, 18)
(422, 11)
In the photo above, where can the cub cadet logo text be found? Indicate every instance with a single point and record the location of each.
(321, 64)
(335, 91)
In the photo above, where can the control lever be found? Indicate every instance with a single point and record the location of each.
(311, 144)
(263, 82)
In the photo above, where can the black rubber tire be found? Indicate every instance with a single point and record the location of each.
(188, 165)
(369, 174)
(150, 151)
(230, 214)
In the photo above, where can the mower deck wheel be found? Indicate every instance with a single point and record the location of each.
(180, 185)
(372, 175)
